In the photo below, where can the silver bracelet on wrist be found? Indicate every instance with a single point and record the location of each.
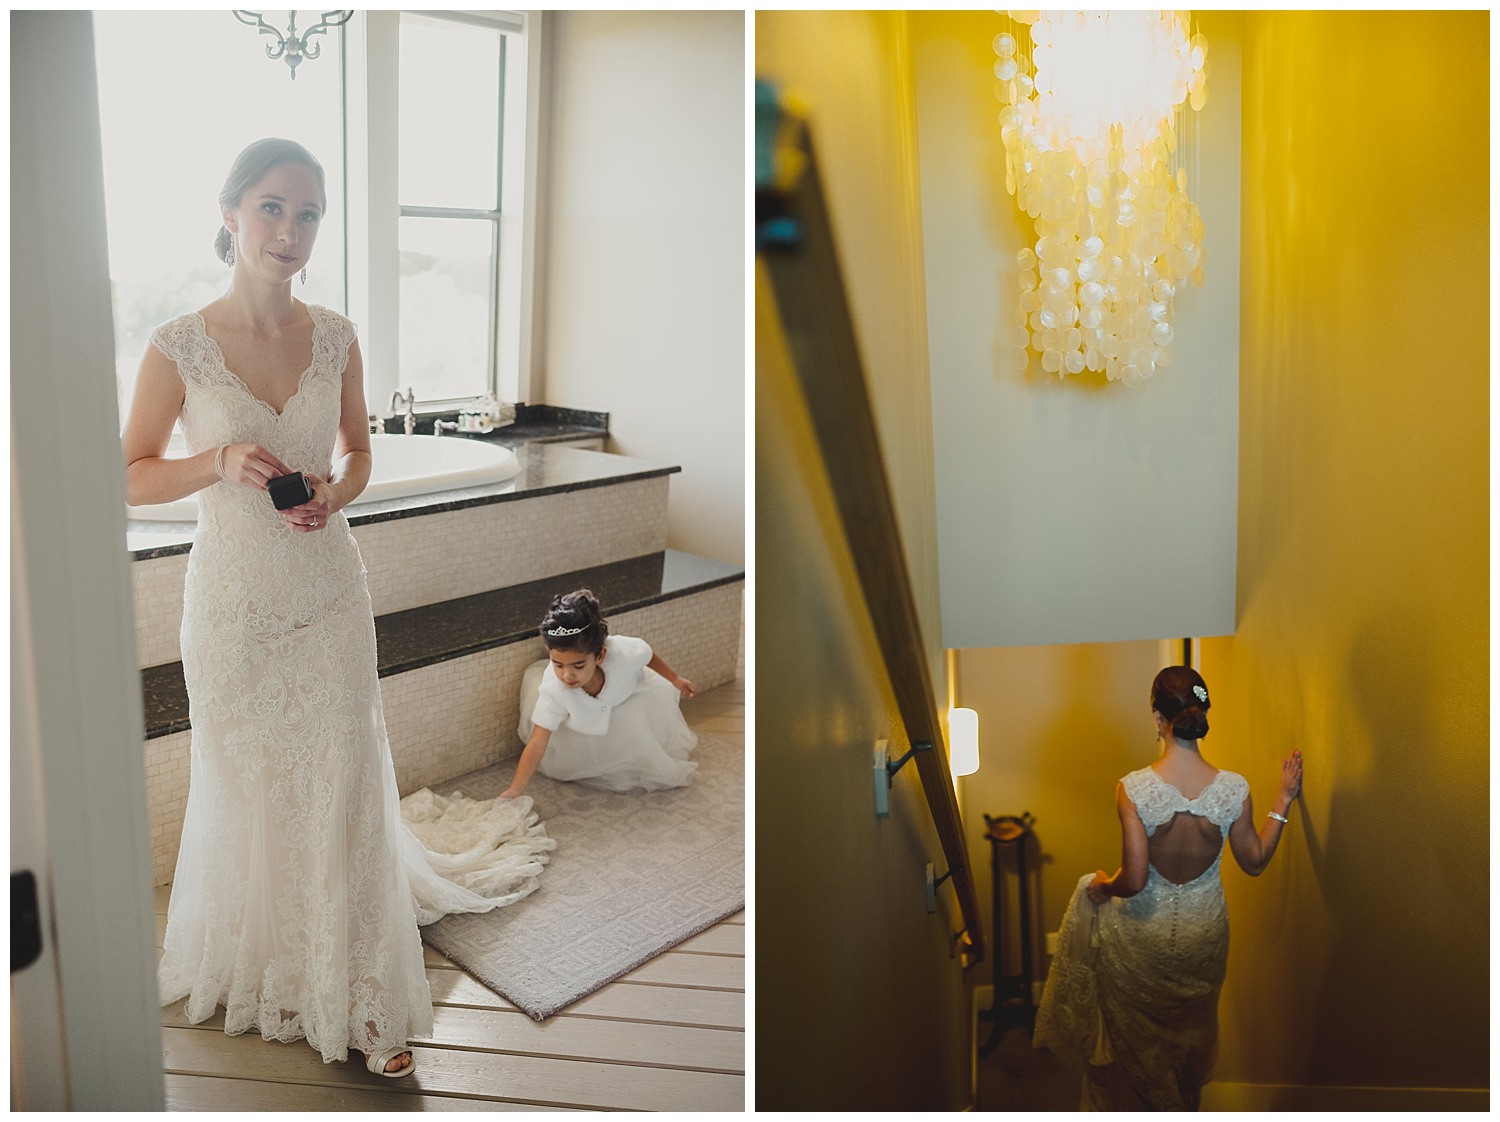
(219, 462)
(1278, 817)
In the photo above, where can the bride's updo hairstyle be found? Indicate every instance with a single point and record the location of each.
(1180, 696)
(254, 164)
(575, 623)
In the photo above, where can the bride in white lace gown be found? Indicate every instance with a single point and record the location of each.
(298, 887)
(1133, 993)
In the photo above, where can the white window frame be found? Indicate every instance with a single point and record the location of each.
(372, 161)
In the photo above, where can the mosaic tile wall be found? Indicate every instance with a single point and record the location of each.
(157, 588)
(416, 561)
(436, 557)
(461, 715)
(166, 798)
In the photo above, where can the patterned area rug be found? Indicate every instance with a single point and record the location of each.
(632, 876)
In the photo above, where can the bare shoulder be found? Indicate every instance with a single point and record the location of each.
(211, 312)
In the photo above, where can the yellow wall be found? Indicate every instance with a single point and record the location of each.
(1362, 956)
(858, 1004)
(1057, 727)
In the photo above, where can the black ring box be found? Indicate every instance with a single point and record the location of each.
(288, 491)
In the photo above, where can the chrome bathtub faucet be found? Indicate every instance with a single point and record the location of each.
(405, 401)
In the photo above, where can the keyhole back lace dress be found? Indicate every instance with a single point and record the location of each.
(1133, 994)
(299, 887)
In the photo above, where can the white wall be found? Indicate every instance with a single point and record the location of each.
(644, 250)
(1079, 510)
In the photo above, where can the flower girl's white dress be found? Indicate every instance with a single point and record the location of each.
(631, 737)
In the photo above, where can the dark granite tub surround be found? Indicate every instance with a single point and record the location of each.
(546, 424)
(436, 632)
(546, 469)
(418, 637)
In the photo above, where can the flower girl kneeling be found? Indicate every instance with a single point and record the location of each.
(602, 710)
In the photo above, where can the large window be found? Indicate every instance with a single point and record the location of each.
(451, 82)
(417, 245)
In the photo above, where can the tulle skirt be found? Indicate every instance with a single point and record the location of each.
(646, 748)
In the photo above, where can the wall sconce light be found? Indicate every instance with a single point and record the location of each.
(1098, 147)
(963, 741)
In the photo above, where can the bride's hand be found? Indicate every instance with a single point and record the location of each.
(1291, 776)
(1095, 890)
(250, 465)
(311, 515)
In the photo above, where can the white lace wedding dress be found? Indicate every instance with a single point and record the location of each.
(299, 887)
(1133, 992)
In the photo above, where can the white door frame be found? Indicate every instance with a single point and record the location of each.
(85, 1019)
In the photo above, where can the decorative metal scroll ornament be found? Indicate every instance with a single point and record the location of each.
(291, 46)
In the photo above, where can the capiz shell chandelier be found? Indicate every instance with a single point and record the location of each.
(1098, 147)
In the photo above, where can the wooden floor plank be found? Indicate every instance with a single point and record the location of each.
(719, 939)
(584, 1038)
(719, 972)
(201, 1092)
(664, 1004)
(522, 1079)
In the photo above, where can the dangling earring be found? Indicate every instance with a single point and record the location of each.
(229, 253)
(304, 274)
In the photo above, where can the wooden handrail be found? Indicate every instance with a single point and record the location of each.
(815, 317)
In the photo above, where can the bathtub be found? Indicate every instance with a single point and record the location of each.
(401, 466)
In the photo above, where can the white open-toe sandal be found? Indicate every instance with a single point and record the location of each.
(376, 1061)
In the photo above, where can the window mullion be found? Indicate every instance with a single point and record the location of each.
(374, 244)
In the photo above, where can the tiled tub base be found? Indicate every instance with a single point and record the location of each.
(445, 555)
(459, 715)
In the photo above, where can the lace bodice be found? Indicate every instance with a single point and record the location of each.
(219, 408)
(1156, 800)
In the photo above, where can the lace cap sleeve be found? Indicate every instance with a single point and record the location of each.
(337, 335)
(1223, 804)
(1153, 800)
(178, 339)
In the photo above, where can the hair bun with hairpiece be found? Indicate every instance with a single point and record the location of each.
(1180, 695)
